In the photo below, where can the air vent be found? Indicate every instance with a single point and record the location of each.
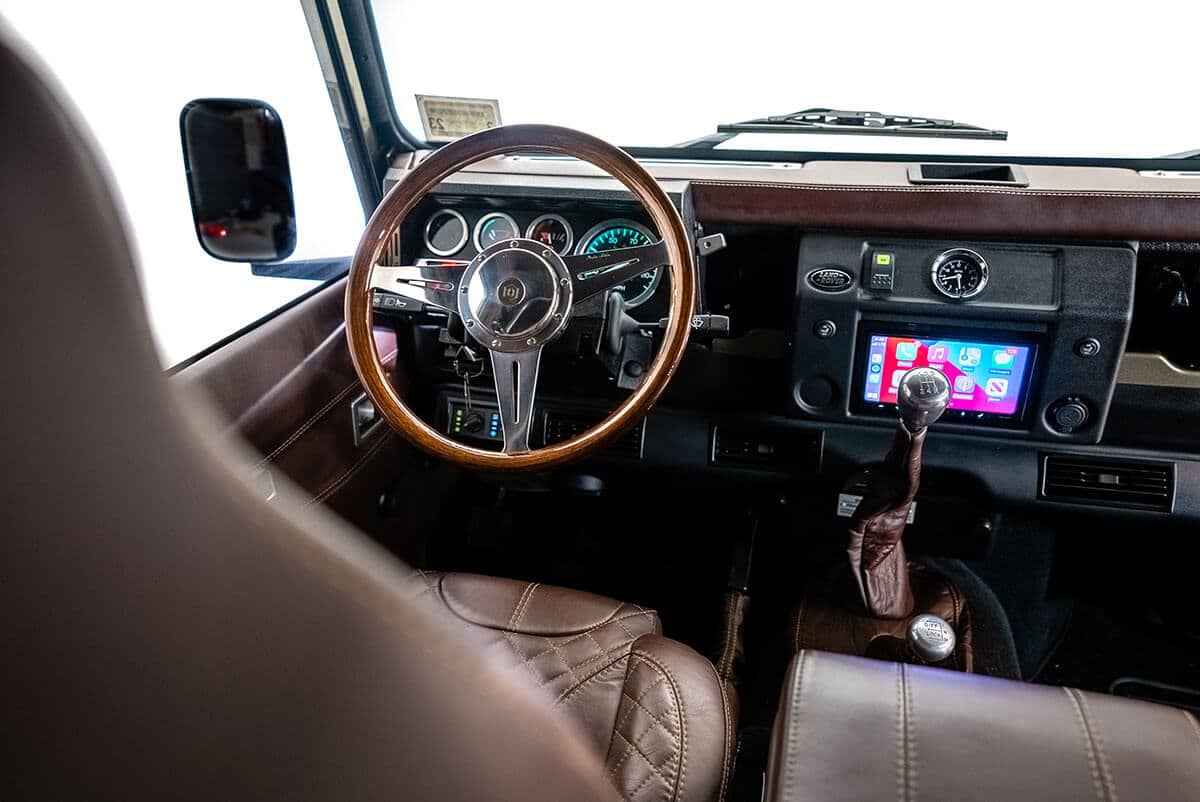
(562, 426)
(766, 448)
(1111, 483)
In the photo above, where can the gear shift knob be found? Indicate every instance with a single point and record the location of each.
(923, 396)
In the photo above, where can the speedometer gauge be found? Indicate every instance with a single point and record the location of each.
(612, 234)
(959, 273)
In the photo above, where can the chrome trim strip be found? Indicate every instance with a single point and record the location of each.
(1155, 370)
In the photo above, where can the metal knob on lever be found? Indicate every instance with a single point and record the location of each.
(923, 395)
(930, 638)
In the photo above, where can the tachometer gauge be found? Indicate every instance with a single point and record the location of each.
(552, 231)
(613, 234)
(495, 227)
(959, 273)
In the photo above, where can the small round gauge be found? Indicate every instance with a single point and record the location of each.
(495, 227)
(445, 233)
(612, 234)
(959, 273)
(552, 231)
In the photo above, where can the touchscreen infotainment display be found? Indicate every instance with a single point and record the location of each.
(984, 377)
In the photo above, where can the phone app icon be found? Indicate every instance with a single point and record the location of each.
(906, 352)
(1002, 359)
(996, 387)
(874, 378)
(964, 384)
(969, 357)
(938, 353)
(897, 375)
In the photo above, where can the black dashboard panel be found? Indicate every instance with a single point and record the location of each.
(1069, 305)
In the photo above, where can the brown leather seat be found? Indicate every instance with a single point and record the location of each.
(652, 708)
(170, 635)
(850, 728)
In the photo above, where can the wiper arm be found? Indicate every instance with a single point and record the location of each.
(826, 121)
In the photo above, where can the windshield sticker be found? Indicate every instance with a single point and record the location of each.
(448, 118)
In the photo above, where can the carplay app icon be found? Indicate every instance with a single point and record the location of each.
(969, 357)
(907, 352)
(996, 387)
(964, 384)
(938, 353)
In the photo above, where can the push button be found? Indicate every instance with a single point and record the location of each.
(881, 271)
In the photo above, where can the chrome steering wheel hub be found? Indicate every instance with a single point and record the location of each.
(515, 295)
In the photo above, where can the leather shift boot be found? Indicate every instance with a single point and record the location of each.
(877, 559)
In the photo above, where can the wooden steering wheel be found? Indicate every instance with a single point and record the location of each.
(517, 296)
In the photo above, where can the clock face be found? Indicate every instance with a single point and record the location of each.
(959, 274)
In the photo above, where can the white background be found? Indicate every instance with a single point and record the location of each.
(131, 66)
(1062, 78)
(1084, 78)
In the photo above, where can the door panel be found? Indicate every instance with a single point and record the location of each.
(287, 388)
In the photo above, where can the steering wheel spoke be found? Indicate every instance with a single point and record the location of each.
(594, 273)
(516, 386)
(430, 285)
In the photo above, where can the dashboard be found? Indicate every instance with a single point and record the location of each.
(1054, 314)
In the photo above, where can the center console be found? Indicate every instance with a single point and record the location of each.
(1030, 336)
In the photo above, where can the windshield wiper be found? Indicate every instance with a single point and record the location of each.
(825, 121)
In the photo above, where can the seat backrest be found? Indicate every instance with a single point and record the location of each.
(167, 633)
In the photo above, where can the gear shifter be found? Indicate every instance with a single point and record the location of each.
(875, 547)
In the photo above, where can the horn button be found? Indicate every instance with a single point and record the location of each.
(515, 295)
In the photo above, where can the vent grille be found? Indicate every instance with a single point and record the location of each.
(560, 426)
(733, 445)
(1113, 483)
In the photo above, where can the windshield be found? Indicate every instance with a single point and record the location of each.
(1069, 80)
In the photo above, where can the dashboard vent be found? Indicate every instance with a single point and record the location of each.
(765, 448)
(1108, 482)
(560, 426)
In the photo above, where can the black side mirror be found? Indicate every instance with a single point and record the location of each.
(239, 180)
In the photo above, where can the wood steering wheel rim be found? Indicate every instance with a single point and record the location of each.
(404, 197)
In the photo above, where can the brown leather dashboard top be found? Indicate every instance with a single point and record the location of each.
(1061, 202)
(977, 211)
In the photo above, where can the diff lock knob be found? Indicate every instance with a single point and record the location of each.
(930, 638)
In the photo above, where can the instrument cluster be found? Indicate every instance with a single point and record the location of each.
(458, 234)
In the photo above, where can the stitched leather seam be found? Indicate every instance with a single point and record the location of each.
(1101, 757)
(635, 746)
(612, 737)
(564, 697)
(799, 619)
(1032, 193)
(522, 603)
(955, 606)
(1087, 744)
(342, 480)
(320, 413)
(793, 725)
(577, 635)
(910, 738)
(727, 752)
(605, 653)
(726, 662)
(678, 792)
(901, 757)
(625, 718)
(561, 657)
(656, 719)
